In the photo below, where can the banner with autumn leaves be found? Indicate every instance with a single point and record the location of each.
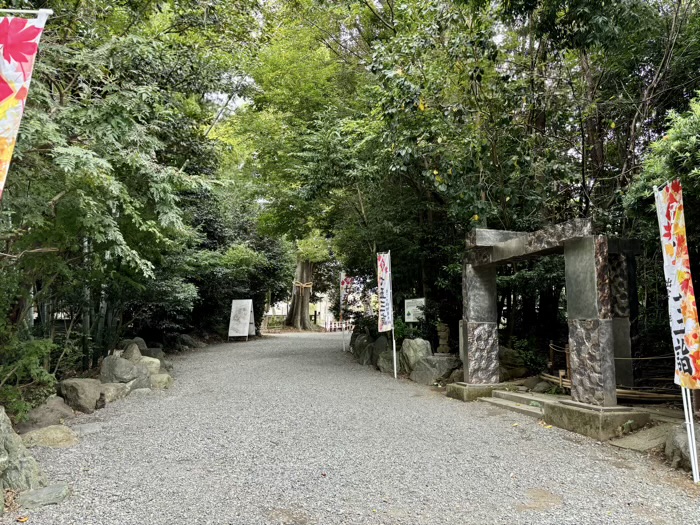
(683, 313)
(19, 40)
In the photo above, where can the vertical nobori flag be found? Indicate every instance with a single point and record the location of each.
(386, 310)
(346, 284)
(683, 313)
(19, 41)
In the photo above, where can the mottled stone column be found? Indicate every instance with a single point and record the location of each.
(480, 336)
(589, 307)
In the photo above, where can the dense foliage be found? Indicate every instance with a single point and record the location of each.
(180, 153)
(424, 118)
(121, 214)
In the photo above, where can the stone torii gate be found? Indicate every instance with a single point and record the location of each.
(599, 280)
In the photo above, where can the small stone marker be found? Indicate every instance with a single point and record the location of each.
(51, 495)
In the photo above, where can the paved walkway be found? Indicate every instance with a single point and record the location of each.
(289, 430)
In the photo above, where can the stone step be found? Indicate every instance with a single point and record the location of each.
(646, 439)
(526, 398)
(527, 410)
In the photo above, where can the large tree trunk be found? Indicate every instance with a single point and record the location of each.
(298, 315)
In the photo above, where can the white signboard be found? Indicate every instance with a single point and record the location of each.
(415, 310)
(386, 309)
(242, 323)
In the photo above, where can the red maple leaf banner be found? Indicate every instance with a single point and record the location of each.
(19, 40)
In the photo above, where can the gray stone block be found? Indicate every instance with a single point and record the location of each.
(542, 242)
(479, 294)
(580, 272)
(468, 392)
(487, 237)
(624, 371)
(597, 424)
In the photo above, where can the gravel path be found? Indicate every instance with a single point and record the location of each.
(290, 430)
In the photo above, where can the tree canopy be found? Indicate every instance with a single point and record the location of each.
(178, 154)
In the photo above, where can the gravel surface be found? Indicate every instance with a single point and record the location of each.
(288, 429)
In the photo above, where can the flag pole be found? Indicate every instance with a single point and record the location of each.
(690, 429)
(694, 448)
(393, 341)
(393, 334)
(342, 325)
(46, 12)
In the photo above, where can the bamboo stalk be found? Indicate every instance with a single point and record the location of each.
(621, 392)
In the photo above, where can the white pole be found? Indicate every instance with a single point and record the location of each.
(46, 12)
(690, 429)
(691, 441)
(694, 448)
(343, 326)
(393, 341)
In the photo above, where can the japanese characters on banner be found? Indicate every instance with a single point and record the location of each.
(386, 310)
(19, 39)
(681, 296)
(346, 288)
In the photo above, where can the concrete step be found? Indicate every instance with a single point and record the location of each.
(646, 439)
(527, 398)
(528, 410)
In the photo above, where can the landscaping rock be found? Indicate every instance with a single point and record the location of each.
(137, 392)
(508, 374)
(457, 376)
(132, 353)
(117, 370)
(412, 351)
(379, 346)
(677, 449)
(434, 369)
(81, 394)
(152, 364)
(353, 338)
(54, 411)
(360, 344)
(140, 342)
(156, 353)
(114, 391)
(18, 469)
(142, 381)
(124, 343)
(87, 429)
(189, 341)
(542, 387)
(531, 382)
(385, 362)
(55, 436)
(51, 495)
(364, 357)
(509, 358)
(512, 364)
(161, 381)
